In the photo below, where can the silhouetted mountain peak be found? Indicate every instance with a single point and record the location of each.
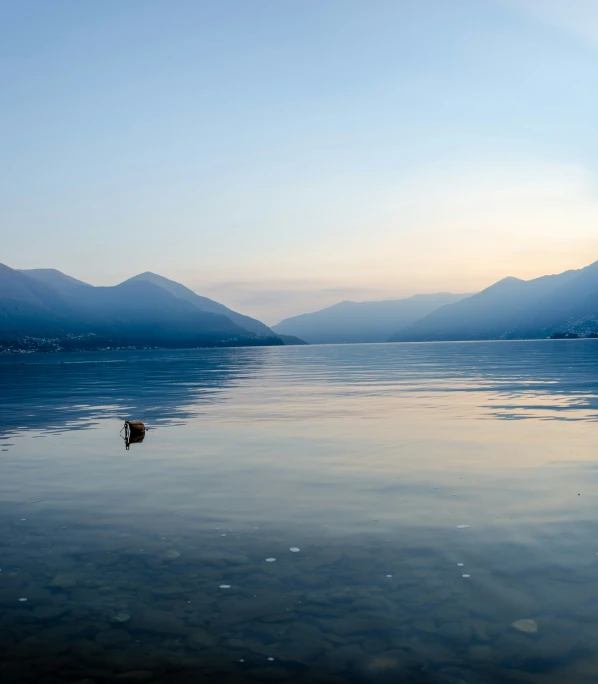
(509, 282)
(204, 303)
(513, 308)
(154, 278)
(17, 286)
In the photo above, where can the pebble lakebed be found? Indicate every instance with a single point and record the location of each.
(166, 608)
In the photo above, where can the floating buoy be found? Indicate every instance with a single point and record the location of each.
(134, 432)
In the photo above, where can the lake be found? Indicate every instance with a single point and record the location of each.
(422, 513)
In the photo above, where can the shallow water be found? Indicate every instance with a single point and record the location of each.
(438, 496)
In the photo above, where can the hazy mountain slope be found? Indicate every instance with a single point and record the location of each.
(78, 291)
(25, 319)
(18, 286)
(362, 321)
(204, 303)
(75, 290)
(573, 301)
(513, 308)
(55, 279)
(144, 313)
(28, 307)
(291, 339)
(130, 314)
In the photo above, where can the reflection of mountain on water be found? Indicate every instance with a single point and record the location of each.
(49, 392)
(514, 380)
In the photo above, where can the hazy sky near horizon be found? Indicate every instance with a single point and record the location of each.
(281, 156)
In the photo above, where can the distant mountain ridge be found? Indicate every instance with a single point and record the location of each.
(204, 303)
(54, 278)
(46, 309)
(516, 309)
(28, 307)
(348, 322)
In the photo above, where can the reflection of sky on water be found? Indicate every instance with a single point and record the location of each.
(411, 424)
(68, 391)
(509, 380)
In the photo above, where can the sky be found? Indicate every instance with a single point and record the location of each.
(282, 156)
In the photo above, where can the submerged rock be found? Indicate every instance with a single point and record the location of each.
(171, 554)
(392, 666)
(201, 640)
(63, 582)
(303, 648)
(382, 664)
(49, 612)
(121, 617)
(480, 652)
(159, 622)
(432, 651)
(526, 625)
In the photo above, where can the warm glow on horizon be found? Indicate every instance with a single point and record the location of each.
(262, 161)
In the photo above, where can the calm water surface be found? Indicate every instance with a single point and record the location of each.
(372, 513)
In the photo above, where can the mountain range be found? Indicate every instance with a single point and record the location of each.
(46, 309)
(516, 309)
(363, 321)
(561, 305)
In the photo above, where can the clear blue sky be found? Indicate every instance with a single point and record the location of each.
(282, 155)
